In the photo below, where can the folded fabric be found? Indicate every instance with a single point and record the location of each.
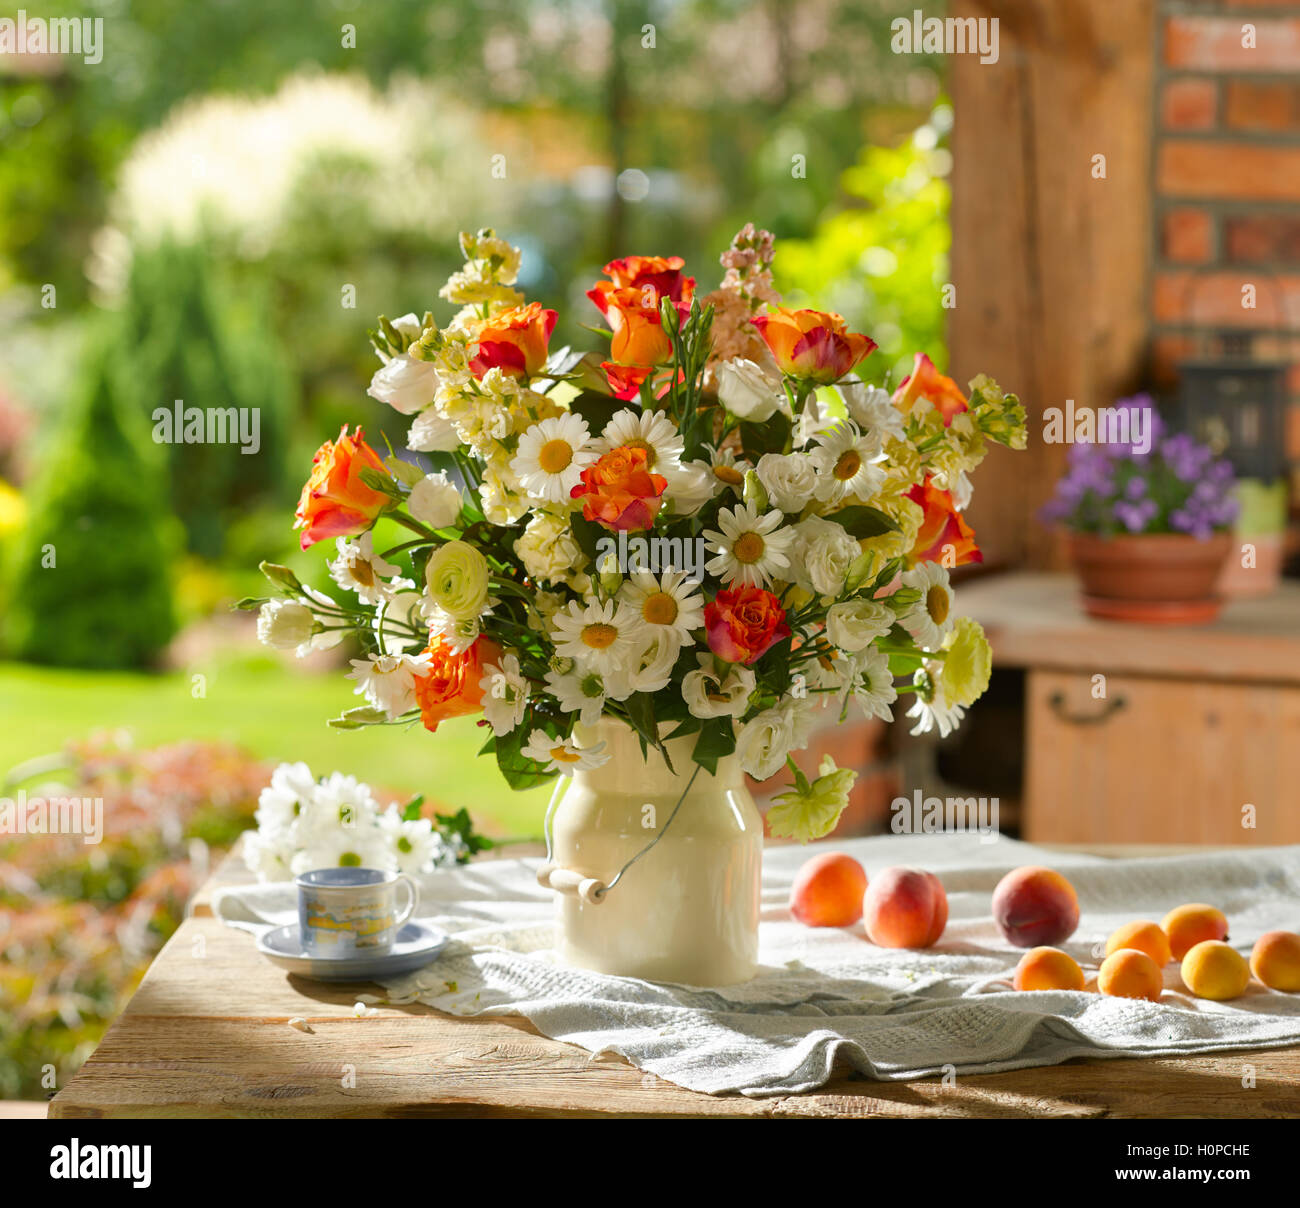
(826, 994)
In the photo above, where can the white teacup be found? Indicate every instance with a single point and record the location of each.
(348, 912)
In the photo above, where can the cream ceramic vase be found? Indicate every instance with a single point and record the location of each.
(686, 911)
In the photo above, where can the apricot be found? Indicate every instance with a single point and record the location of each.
(1128, 973)
(1186, 926)
(1213, 969)
(1143, 935)
(1275, 960)
(904, 908)
(827, 891)
(1048, 969)
(1034, 906)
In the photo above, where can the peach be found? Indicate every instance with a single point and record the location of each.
(1128, 973)
(1186, 926)
(1213, 969)
(1034, 906)
(827, 891)
(904, 908)
(1048, 969)
(1276, 960)
(1143, 935)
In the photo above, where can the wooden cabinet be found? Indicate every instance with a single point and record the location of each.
(1138, 734)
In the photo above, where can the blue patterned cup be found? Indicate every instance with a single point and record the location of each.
(349, 912)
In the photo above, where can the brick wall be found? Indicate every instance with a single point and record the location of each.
(1227, 179)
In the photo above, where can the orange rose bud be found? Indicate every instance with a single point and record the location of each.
(926, 382)
(619, 492)
(744, 623)
(942, 527)
(451, 689)
(335, 502)
(515, 342)
(812, 344)
(625, 380)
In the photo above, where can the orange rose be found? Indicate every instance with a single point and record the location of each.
(812, 344)
(926, 382)
(639, 336)
(625, 380)
(660, 276)
(619, 491)
(943, 527)
(515, 342)
(335, 502)
(451, 689)
(744, 623)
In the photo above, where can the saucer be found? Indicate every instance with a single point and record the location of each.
(416, 946)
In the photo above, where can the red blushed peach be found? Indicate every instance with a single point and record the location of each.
(1275, 960)
(1035, 906)
(827, 891)
(1048, 969)
(1192, 924)
(1128, 973)
(904, 908)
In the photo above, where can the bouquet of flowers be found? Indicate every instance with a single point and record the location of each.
(1167, 484)
(713, 528)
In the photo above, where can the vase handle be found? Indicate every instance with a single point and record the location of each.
(564, 880)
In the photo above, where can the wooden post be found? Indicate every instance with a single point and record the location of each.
(1051, 243)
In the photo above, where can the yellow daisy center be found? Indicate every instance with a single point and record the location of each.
(849, 463)
(554, 456)
(748, 548)
(936, 604)
(363, 573)
(728, 474)
(659, 608)
(649, 450)
(599, 637)
(564, 755)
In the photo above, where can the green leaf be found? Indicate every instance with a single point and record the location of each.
(596, 409)
(717, 739)
(355, 719)
(863, 521)
(768, 437)
(904, 664)
(640, 708)
(519, 771)
(587, 533)
(249, 603)
(411, 811)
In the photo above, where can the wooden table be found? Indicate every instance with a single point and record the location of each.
(1147, 733)
(207, 1034)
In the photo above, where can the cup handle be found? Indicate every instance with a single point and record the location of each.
(414, 894)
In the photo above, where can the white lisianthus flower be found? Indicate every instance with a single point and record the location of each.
(505, 694)
(458, 578)
(823, 553)
(765, 741)
(710, 693)
(649, 669)
(853, 624)
(930, 619)
(790, 480)
(872, 409)
(690, 486)
(415, 845)
(748, 390)
(285, 625)
(405, 384)
(548, 550)
(563, 755)
(435, 501)
(358, 568)
(432, 432)
(387, 681)
(458, 633)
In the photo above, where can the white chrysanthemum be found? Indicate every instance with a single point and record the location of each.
(602, 636)
(505, 694)
(563, 755)
(269, 854)
(345, 847)
(416, 846)
(358, 568)
(853, 624)
(279, 804)
(751, 548)
(579, 691)
(866, 678)
(552, 455)
(652, 431)
(872, 409)
(822, 554)
(435, 500)
(286, 625)
(387, 681)
(790, 480)
(933, 710)
(432, 433)
(711, 693)
(669, 606)
(930, 618)
(847, 463)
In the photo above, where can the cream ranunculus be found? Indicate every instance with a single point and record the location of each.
(435, 501)
(790, 479)
(854, 624)
(747, 390)
(824, 553)
(457, 576)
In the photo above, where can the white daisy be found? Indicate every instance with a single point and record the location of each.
(726, 470)
(505, 694)
(415, 845)
(387, 681)
(751, 548)
(846, 463)
(669, 606)
(563, 755)
(345, 847)
(360, 569)
(648, 670)
(866, 678)
(552, 455)
(930, 618)
(598, 636)
(932, 709)
(652, 431)
(269, 854)
(458, 633)
(280, 803)
(579, 691)
(872, 409)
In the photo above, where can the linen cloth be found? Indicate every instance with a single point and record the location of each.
(826, 994)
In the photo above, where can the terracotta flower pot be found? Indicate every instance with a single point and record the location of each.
(1168, 578)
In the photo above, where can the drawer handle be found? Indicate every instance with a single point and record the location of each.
(1057, 703)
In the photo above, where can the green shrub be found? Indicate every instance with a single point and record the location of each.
(90, 581)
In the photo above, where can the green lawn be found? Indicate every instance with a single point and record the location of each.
(277, 714)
